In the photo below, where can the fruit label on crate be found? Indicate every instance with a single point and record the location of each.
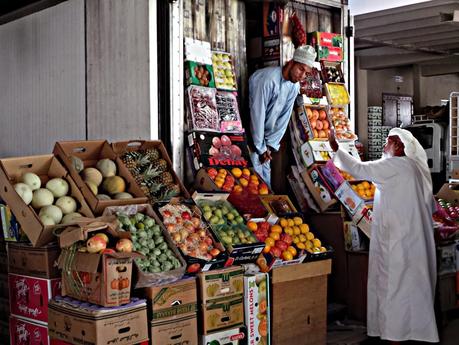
(29, 296)
(256, 290)
(219, 150)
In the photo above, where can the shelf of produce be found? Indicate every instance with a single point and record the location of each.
(301, 319)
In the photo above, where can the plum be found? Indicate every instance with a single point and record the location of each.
(226, 141)
(216, 142)
(236, 150)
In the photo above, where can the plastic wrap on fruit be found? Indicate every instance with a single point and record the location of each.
(188, 231)
(204, 113)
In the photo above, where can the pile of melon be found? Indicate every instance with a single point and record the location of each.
(102, 179)
(52, 202)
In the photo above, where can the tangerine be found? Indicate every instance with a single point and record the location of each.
(252, 225)
(276, 228)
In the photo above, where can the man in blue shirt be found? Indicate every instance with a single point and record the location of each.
(272, 93)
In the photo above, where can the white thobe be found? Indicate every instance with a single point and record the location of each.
(402, 261)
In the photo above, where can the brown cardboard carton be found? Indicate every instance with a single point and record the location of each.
(73, 322)
(136, 145)
(90, 152)
(222, 313)
(233, 336)
(33, 261)
(103, 279)
(227, 282)
(180, 331)
(319, 192)
(172, 301)
(46, 167)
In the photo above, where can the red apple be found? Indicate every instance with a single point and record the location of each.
(276, 252)
(186, 215)
(286, 238)
(96, 244)
(124, 245)
(281, 245)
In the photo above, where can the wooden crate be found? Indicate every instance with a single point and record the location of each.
(299, 303)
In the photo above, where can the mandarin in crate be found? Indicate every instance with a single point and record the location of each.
(236, 172)
(252, 225)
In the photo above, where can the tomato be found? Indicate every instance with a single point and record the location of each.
(194, 268)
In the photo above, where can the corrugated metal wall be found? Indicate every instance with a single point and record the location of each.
(42, 80)
(77, 70)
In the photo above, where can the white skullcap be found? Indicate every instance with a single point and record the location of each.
(305, 55)
(416, 152)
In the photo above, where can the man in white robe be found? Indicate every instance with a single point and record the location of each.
(402, 263)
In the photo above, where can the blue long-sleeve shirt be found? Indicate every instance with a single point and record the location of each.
(271, 100)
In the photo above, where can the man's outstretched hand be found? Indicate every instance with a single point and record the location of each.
(332, 140)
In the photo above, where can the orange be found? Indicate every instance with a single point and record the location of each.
(292, 250)
(310, 236)
(366, 185)
(270, 242)
(252, 225)
(219, 184)
(304, 228)
(309, 245)
(236, 172)
(296, 239)
(290, 222)
(283, 222)
(276, 228)
(253, 177)
(303, 238)
(301, 245)
(287, 255)
(288, 230)
(323, 249)
(296, 230)
(244, 182)
(316, 242)
(297, 220)
(237, 189)
(274, 235)
(266, 249)
(246, 172)
(222, 172)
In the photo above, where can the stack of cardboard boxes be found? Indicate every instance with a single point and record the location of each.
(221, 295)
(4, 293)
(33, 281)
(172, 310)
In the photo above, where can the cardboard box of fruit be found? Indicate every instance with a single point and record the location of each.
(77, 322)
(218, 150)
(331, 72)
(315, 151)
(233, 336)
(171, 301)
(256, 306)
(162, 262)
(228, 225)
(329, 53)
(199, 74)
(225, 78)
(317, 121)
(32, 261)
(336, 94)
(150, 165)
(318, 187)
(202, 114)
(41, 194)
(193, 237)
(280, 205)
(226, 282)
(183, 330)
(228, 110)
(100, 174)
(222, 313)
(326, 39)
(342, 124)
(96, 262)
(235, 180)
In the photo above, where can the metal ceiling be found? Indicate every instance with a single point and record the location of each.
(425, 34)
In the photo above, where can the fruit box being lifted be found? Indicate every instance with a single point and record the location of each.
(45, 167)
(228, 225)
(90, 273)
(89, 153)
(149, 163)
(316, 152)
(218, 150)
